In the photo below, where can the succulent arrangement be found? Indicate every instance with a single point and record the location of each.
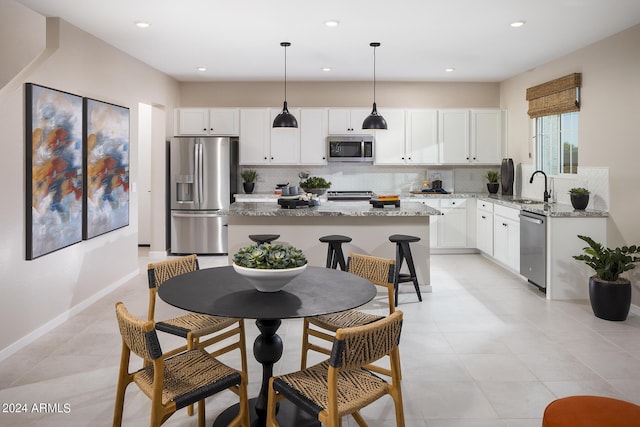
(269, 256)
(315, 182)
(579, 191)
(249, 175)
(608, 263)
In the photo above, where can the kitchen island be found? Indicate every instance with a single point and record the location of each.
(369, 228)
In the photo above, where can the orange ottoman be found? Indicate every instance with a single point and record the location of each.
(591, 411)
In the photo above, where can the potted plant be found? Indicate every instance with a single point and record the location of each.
(249, 177)
(579, 198)
(269, 266)
(610, 294)
(315, 185)
(492, 177)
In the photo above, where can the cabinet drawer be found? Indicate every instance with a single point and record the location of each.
(485, 206)
(506, 212)
(452, 203)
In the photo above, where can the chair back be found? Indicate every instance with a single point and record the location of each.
(378, 271)
(361, 345)
(138, 335)
(160, 272)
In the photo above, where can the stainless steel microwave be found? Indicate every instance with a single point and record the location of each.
(350, 148)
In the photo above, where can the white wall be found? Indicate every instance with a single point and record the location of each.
(35, 295)
(608, 125)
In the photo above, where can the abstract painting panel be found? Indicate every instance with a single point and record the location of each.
(54, 184)
(107, 167)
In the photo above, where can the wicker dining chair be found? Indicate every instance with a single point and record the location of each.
(341, 385)
(194, 326)
(172, 382)
(379, 271)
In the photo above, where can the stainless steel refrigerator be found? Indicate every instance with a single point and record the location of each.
(203, 177)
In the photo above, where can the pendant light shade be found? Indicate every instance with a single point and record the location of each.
(374, 120)
(285, 119)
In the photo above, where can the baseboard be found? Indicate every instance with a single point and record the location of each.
(63, 317)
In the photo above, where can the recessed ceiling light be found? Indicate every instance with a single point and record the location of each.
(201, 68)
(142, 24)
(332, 23)
(517, 24)
(450, 70)
(326, 68)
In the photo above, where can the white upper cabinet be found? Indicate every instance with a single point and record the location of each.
(453, 135)
(314, 129)
(390, 143)
(284, 144)
(486, 136)
(345, 121)
(207, 121)
(421, 141)
(470, 136)
(254, 136)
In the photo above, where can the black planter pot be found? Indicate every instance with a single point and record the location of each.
(610, 300)
(493, 187)
(579, 202)
(248, 187)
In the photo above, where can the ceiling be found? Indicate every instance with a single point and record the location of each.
(239, 40)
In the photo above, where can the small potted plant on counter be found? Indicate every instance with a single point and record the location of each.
(610, 294)
(249, 177)
(492, 177)
(315, 185)
(269, 266)
(579, 198)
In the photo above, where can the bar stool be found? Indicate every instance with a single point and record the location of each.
(335, 255)
(403, 253)
(263, 238)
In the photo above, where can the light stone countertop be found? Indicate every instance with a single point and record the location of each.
(331, 208)
(328, 208)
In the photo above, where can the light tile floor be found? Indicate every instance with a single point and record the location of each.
(484, 349)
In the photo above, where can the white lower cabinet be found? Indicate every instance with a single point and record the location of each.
(484, 227)
(506, 236)
(452, 224)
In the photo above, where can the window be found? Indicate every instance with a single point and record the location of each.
(555, 141)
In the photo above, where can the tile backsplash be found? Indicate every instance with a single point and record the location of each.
(357, 176)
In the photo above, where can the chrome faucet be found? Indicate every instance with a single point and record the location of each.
(547, 194)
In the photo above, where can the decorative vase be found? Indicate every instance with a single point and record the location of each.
(248, 187)
(610, 300)
(269, 280)
(579, 202)
(493, 187)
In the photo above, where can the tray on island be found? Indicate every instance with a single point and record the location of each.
(377, 203)
(296, 203)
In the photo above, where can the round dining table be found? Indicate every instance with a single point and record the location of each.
(220, 291)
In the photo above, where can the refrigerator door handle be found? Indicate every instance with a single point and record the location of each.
(200, 174)
(196, 174)
(195, 215)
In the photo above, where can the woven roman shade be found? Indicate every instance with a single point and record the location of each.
(555, 97)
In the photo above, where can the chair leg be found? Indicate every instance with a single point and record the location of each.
(191, 344)
(396, 275)
(412, 269)
(201, 416)
(305, 343)
(243, 346)
(124, 379)
(361, 422)
(271, 406)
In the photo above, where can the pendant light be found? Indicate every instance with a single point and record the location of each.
(285, 119)
(374, 120)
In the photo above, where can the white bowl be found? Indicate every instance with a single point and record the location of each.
(269, 280)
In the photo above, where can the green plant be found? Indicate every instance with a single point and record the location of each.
(249, 175)
(268, 255)
(608, 263)
(493, 176)
(315, 182)
(579, 191)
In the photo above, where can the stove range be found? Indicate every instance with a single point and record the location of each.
(350, 195)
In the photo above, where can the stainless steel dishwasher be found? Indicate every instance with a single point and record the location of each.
(533, 248)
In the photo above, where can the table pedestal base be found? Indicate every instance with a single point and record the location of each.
(288, 415)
